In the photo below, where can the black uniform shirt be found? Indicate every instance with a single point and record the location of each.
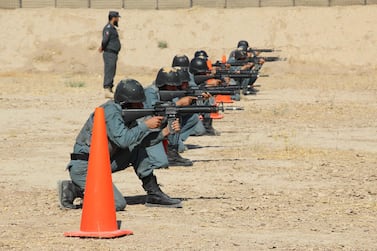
(110, 39)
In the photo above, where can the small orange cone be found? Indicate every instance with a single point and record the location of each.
(223, 98)
(223, 59)
(209, 65)
(98, 219)
(216, 115)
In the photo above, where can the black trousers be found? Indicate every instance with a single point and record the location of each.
(110, 61)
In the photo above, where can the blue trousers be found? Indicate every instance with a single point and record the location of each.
(122, 159)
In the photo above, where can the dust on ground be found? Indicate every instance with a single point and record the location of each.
(296, 170)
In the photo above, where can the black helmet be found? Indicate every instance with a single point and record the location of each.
(240, 54)
(181, 61)
(243, 48)
(198, 65)
(129, 91)
(167, 76)
(201, 53)
(184, 75)
(243, 43)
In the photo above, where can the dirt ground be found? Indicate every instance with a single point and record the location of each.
(296, 170)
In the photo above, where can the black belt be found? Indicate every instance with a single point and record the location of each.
(80, 156)
(111, 51)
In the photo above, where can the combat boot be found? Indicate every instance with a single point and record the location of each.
(175, 159)
(68, 192)
(252, 89)
(249, 91)
(109, 93)
(156, 197)
(210, 131)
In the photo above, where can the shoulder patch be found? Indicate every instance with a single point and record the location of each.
(108, 26)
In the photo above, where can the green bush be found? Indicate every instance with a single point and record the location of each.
(75, 84)
(162, 44)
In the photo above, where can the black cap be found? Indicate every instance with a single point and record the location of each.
(113, 14)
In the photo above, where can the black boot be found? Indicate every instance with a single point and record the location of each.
(249, 90)
(68, 192)
(210, 131)
(156, 197)
(175, 159)
(252, 87)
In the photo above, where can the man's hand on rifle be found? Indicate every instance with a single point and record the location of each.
(174, 128)
(185, 101)
(247, 66)
(154, 122)
(206, 95)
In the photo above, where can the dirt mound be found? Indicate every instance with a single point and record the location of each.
(65, 40)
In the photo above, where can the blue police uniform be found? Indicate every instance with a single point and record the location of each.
(126, 147)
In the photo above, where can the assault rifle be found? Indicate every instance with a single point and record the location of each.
(233, 88)
(262, 50)
(168, 110)
(170, 95)
(254, 60)
(221, 74)
(226, 90)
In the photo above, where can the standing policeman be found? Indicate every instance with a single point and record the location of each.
(110, 47)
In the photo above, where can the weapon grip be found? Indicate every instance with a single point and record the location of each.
(175, 135)
(170, 125)
(171, 115)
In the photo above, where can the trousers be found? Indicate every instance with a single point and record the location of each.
(110, 61)
(122, 159)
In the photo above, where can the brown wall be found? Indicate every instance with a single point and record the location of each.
(172, 4)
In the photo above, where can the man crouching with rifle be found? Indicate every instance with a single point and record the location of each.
(169, 78)
(127, 146)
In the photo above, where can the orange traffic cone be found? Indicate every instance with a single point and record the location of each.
(216, 115)
(223, 98)
(209, 65)
(223, 59)
(98, 217)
